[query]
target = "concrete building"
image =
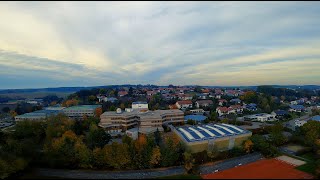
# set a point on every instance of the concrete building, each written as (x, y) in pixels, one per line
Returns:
(139, 105)
(208, 136)
(147, 122)
(77, 112)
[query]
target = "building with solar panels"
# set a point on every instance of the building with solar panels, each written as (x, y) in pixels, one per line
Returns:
(208, 136)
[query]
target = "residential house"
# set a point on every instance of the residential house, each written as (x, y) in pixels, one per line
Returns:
(102, 98)
(184, 96)
(203, 103)
(235, 101)
(222, 101)
(184, 104)
(297, 108)
(280, 114)
(202, 96)
(205, 91)
(251, 107)
(235, 109)
(222, 111)
(122, 93)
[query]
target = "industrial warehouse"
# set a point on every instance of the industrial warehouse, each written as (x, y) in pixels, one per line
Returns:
(208, 136)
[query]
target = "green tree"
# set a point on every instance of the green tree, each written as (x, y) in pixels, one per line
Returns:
(311, 131)
(214, 116)
(276, 134)
(6, 109)
(102, 91)
(157, 137)
(97, 137)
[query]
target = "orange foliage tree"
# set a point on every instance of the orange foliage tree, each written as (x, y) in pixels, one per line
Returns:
(98, 112)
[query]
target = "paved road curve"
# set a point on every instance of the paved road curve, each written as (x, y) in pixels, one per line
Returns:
(291, 124)
(142, 174)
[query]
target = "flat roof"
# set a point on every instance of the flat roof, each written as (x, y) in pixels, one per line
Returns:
(195, 117)
(39, 113)
(139, 102)
(209, 131)
(82, 107)
(138, 113)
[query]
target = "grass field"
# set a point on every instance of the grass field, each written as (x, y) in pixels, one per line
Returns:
(308, 156)
(309, 167)
(181, 176)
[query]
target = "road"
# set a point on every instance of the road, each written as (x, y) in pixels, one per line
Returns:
(230, 163)
(145, 174)
(291, 124)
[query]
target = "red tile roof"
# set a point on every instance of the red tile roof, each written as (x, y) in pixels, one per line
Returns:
(223, 109)
(205, 102)
(184, 102)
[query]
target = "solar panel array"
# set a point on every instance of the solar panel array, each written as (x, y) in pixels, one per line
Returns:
(209, 131)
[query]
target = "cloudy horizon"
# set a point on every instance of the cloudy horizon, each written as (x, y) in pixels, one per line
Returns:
(65, 44)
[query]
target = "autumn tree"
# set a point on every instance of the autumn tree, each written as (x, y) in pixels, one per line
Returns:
(68, 151)
(248, 145)
(156, 157)
(13, 113)
(117, 155)
(122, 106)
(70, 102)
(57, 125)
(189, 162)
(98, 112)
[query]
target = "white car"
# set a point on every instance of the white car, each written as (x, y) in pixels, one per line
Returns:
(216, 170)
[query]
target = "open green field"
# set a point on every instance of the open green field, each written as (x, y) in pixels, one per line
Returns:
(309, 167)
(181, 176)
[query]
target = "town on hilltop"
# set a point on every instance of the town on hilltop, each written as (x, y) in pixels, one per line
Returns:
(185, 128)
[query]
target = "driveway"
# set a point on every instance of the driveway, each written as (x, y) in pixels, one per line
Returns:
(145, 174)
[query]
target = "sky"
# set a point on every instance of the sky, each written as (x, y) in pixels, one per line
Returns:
(65, 44)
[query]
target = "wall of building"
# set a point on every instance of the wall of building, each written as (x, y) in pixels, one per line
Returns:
(222, 144)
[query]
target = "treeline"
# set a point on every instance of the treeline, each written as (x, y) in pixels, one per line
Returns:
(289, 93)
(63, 143)
(264, 101)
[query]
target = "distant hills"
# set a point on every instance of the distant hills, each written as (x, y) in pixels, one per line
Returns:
(75, 89)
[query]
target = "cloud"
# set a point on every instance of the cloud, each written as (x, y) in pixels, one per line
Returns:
(206, 43)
